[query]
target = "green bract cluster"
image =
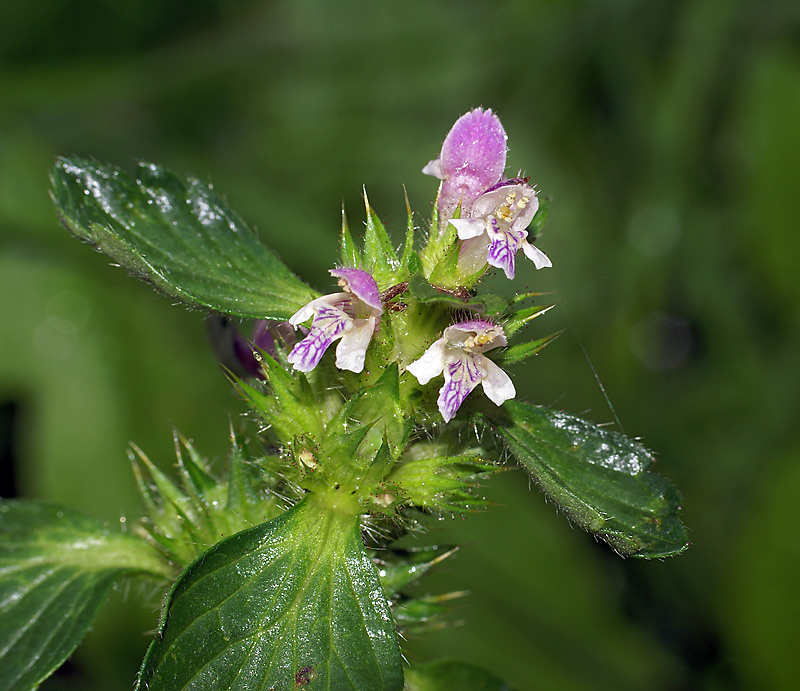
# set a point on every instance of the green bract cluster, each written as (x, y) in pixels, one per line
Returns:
(286, 571)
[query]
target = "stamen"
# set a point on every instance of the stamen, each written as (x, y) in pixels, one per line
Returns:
(504, 213)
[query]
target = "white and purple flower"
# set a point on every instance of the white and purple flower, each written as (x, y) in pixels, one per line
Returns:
(352, 317)
(496, 228)
(459, 356)
(472, 159)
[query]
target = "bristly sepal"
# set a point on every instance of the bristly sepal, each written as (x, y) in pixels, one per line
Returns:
(400, 568)
(184, 519)
(287, 405)
(522, 351)
(379, 254)
(350, 254)
(426, 479)
(424, 614)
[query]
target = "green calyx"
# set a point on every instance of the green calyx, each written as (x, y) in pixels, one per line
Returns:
(184, 519)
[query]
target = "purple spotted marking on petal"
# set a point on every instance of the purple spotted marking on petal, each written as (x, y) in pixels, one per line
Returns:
(461, 376)
(362, 285)
(517, 203)
(328, 325)
(503, 248)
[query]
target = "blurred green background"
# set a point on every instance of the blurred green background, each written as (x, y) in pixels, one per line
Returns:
(667, 135)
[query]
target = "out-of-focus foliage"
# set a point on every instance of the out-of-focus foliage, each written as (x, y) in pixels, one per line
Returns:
(667, 135)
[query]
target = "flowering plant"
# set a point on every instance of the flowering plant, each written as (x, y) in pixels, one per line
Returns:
(353, 448)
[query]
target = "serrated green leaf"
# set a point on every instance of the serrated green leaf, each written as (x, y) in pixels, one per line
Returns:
(521, 351)
(293, 600)
(446, 675)
(178, 235)
(424, 292)
(56, 567)
(597, 477)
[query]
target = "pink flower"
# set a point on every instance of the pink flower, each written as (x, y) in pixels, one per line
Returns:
(459, 356)
(351, 317)
(496, 228)
(472, 159)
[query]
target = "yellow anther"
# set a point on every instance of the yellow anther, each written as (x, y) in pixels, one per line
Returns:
(483, 338)
(511, 197)
(522, 203)
(504, 213)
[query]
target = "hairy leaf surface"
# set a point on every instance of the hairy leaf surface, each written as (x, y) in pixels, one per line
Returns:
(598, 477)
(56, 567)
(292, 603)
(178, 235)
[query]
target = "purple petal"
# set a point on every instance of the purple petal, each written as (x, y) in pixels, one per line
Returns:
(503, 248)
(471, 326)
(328, 325)
(263, 337)
(506, 182)
(475, 147)
(246, 356)
(461, 375)
(473, 158)
(267, 335)
(362, 285)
